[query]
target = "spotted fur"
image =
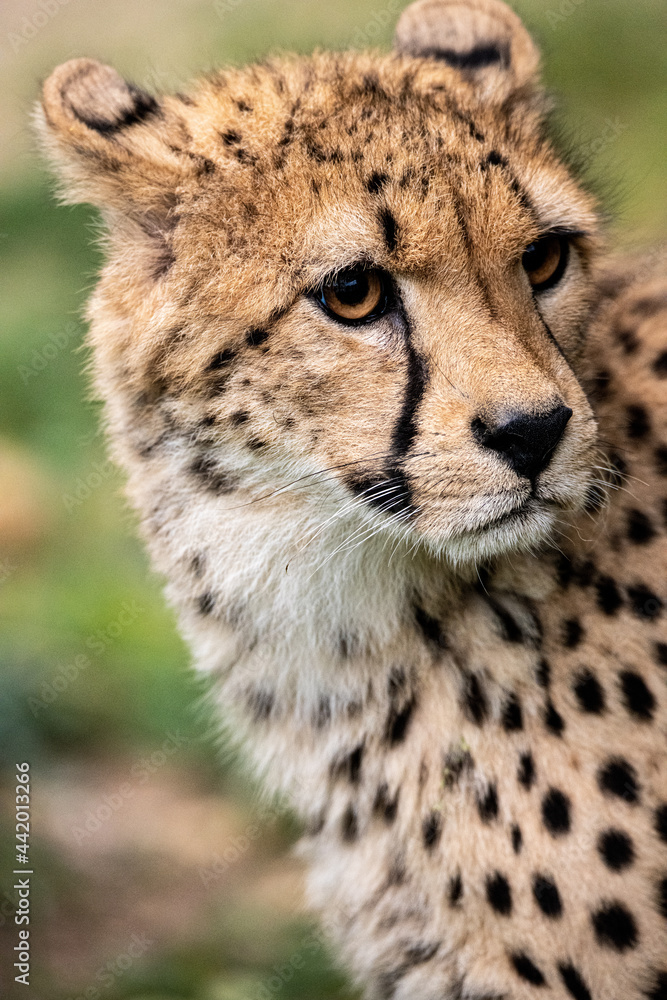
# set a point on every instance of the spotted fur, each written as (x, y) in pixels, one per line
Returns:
(455, 670)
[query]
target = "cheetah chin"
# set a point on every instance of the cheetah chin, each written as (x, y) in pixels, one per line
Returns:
(396, 431)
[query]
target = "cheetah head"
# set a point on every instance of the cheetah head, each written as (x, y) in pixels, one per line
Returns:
(358, 280)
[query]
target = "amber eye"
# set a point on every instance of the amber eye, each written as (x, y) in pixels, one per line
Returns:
(545, 261)
(356, 295)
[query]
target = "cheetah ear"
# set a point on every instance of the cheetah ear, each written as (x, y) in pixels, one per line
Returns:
(483, 39)
(108, 141)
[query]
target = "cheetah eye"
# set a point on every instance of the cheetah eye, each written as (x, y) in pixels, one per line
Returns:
(545, 261)
(356, 295)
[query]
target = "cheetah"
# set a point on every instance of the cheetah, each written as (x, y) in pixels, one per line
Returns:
(396, 430)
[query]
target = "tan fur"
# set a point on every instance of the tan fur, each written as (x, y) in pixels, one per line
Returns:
(388, 638)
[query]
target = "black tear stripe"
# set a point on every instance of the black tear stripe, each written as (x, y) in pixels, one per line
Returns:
(391, 492)
(144, 107)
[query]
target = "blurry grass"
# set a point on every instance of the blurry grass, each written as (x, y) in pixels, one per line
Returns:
(607, 60)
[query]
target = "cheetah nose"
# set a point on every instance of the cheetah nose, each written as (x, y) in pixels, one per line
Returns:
(527, 441)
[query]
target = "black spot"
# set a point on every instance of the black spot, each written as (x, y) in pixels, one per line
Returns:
(627, 338)
(316, 824)
(455, 891)
(430, 629)
(323, 715)
(397, 872)
(495, 159)
(398, 722)
(526, 773)
(615, 927)
(376, 182)
(601, 383)
(431, 830)
(397, 683)
(477, 58)
(527, 970)
(553, 720)
(661, 460)
(487, 804)
(384, 806)
(163, 262)
(221, 360)
(640, 529)
(661, 823)
(261, 704)
(639, 424)
(660, 365)
(556, 811)
(573, 633)
(349, 766)
(609, 597)
(517, 839)
(590, 693)
(574, 982)
(618, 471)
(197, 565)
(499, 894)
(206, 603)
(544, 674)
(213, 479)
(659, 989)
(456, 762)
(230, 138)
(644, 603)
(389, 228)
(254, 338)
(547, 896)
(349, 827)
(510, 629)
(239, 418)
(660, 653)
(616, 849)
(639, 700)
(619, 778)
(512, 715)
(419, 954)
(474, 700)
(662, 897)
(347, 646)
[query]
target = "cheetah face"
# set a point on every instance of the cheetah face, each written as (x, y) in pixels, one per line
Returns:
(359, 279)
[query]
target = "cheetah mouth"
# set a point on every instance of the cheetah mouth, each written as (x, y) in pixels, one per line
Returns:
(515, 516)
(529, 522)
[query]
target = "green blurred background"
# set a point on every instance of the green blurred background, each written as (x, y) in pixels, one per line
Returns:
(157, 872)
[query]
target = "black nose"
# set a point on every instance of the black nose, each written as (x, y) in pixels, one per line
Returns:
(526, 441)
